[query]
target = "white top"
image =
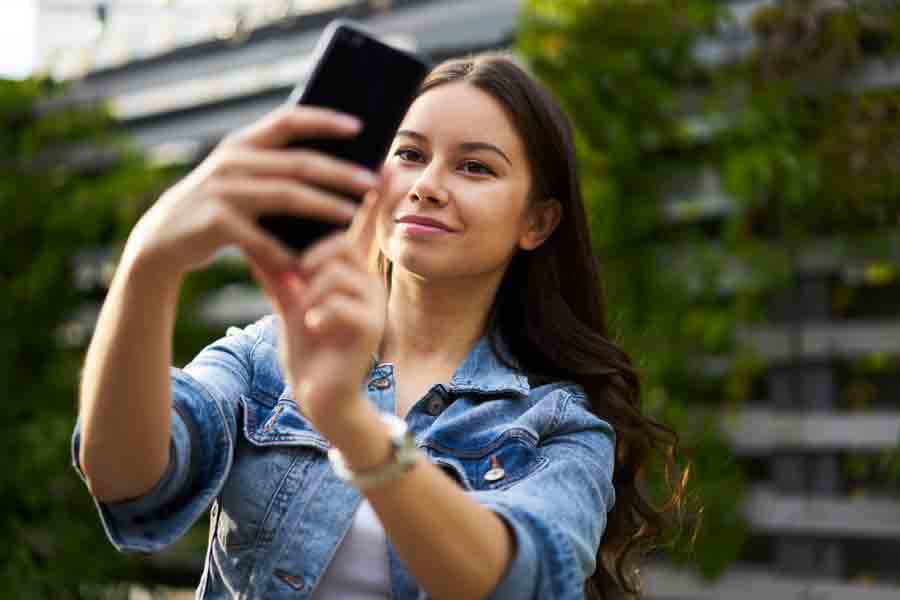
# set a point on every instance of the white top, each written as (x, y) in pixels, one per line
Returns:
(359, 569)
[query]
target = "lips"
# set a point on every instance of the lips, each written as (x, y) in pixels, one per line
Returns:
(419, 220)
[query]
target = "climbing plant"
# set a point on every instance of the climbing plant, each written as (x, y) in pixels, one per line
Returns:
(707, 175)
(71, 188)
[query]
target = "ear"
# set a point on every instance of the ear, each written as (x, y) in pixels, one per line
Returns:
(542, 220)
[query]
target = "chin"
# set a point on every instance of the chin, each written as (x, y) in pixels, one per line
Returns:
(416, 266)
(417, 262)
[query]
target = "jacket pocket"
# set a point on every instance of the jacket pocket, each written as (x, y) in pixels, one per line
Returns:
(273, 453)
(498, 464)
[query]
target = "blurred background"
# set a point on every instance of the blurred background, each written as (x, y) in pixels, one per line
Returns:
(741, 164)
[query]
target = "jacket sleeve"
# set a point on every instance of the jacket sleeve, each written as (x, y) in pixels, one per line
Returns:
(558, 514)
(205, 397)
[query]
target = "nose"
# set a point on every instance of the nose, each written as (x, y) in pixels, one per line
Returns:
(429, 187)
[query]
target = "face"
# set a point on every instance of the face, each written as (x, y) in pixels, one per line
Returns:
(456, 159)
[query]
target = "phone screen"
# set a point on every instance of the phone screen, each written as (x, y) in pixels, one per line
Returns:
(364, 77)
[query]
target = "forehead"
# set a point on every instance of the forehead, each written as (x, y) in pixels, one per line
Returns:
(460, 112)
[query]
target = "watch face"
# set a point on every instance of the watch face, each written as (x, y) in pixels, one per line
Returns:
(402, 459)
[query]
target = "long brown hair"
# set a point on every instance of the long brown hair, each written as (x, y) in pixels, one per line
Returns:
(559, 331)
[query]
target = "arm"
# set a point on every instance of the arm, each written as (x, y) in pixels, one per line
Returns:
(125, 398)
(204, 397)
(125, 436)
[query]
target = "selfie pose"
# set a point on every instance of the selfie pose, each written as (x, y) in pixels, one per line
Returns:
(433, 410)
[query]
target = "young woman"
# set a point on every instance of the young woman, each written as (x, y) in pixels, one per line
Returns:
(483, 334)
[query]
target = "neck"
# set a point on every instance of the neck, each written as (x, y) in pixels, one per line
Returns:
(435, 322)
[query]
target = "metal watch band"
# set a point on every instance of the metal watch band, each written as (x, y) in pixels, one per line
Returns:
(403, 456)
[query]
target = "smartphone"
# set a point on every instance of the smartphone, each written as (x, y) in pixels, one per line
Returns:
(357, 74)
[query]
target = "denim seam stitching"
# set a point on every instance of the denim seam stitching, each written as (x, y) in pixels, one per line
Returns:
(558, 414)
(193, 434)
(251, 358)
(271, 504)
(518, 432)
(541, 463)
(229, 443)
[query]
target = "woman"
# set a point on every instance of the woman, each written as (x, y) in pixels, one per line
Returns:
(488, 337)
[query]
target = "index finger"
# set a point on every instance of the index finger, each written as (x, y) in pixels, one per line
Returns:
(291, 122)
(362, 228)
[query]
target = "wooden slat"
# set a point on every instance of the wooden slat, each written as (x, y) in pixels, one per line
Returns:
(741, 582)
(846, 258)
(780, 514)
(817, 341)
(755, 431)
(665, 582)
(875, 73)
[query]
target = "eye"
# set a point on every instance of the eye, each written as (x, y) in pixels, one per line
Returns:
(407, 153)
(485, 170)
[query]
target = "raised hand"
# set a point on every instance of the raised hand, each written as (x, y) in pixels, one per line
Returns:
(250, 173)
(333, 309)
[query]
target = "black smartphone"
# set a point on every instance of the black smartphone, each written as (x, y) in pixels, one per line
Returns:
(357, 74)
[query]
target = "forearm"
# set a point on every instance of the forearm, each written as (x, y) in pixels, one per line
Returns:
(125, 397)
(455, 547)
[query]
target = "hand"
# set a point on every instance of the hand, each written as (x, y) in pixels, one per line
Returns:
(250, 173)
(333, 312)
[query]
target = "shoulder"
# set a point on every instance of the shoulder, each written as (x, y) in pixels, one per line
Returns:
(568, 406)
(259, 340)
(264, 329)
(558, 392)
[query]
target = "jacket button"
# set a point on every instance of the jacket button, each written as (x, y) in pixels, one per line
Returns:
(434, 405)
(495, 474)
(496, 471)
(292, 580)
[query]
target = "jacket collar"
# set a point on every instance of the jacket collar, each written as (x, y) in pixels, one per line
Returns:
(480, 371)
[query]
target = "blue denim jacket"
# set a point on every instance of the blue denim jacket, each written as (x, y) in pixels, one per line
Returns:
(240, 444)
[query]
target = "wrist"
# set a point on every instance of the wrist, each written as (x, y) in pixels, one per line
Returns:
(402, 457)
(143, 284)
(360, 435)
(138, 261)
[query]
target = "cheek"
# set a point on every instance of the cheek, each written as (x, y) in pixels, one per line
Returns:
(394, 193)
(493, 212)
(396, 177)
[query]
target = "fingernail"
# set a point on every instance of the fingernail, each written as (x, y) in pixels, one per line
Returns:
(313, 318)
(303, 265)
(365, 178)
(349, 122)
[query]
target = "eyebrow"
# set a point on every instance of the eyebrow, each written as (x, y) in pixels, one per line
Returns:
(466, 146)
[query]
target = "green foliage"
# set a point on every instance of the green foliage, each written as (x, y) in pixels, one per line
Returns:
(52, 213)
(801, 152)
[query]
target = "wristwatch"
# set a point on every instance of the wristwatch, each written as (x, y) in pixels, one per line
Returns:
(403, 456)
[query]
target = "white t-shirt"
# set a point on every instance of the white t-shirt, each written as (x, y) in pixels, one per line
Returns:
(359, 569)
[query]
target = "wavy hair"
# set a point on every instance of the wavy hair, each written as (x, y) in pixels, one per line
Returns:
(559, 331)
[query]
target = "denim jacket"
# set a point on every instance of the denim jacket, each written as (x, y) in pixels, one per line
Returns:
(240, 444)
